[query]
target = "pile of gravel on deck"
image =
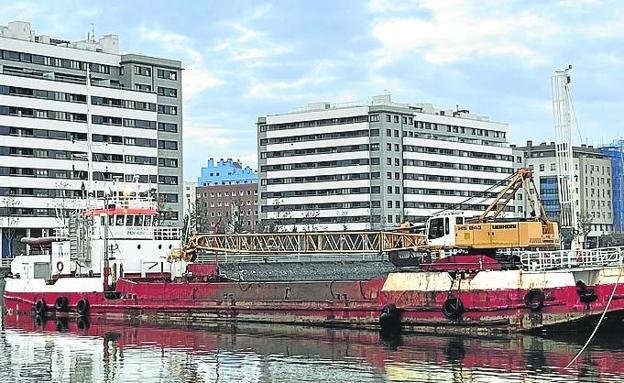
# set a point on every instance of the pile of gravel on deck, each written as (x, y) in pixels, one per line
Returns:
(305, 271)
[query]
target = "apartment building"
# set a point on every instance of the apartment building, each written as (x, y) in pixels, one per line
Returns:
(227, 197)
(134, 104)
(593, 177)
(375, 165)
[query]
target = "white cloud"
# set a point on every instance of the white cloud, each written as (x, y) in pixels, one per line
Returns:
(245, 42)
(458, 31)
(319, 75)
(196, 77)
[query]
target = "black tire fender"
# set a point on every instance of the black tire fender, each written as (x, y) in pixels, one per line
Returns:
(40, 307)
(82, 307)
(61, 304)
(453, 308)
(534, 299)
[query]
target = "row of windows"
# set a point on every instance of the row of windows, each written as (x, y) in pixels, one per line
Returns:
(438, 178)
(39, 113)
(452, 165)
(42, 133)
(323, 220)
(127, 122)
(317, 206)
(454, 206)
(314, 123)
(167, 92)
(128, 104)
(81, 156)
(43, 94)
(320, 137)
(39, 192)
(74, 174)
(161, 73)
(168, 109)
(315, 165)
(167, 127)
(226, 193)
(320, 178)
(456, 152)
(54, 61)
(311, 151)
(446, 192)
(168, 162)
(310, 193)
(168, 145)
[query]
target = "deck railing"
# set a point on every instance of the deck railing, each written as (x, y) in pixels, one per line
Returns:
(565, 259)
(5, 263)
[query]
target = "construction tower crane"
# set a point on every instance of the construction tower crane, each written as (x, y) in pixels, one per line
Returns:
(566, 181)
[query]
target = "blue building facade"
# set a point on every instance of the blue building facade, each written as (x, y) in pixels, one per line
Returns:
(549, 193)
(226, 172)
(615, 151)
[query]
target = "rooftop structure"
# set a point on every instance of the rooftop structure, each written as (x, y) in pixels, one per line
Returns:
(226, 172)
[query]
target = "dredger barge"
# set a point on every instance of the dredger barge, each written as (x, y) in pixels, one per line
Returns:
(464, 275)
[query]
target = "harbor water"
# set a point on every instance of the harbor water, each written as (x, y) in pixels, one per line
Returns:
(78, 350)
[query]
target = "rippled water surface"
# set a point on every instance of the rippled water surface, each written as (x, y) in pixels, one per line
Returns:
(67, 351)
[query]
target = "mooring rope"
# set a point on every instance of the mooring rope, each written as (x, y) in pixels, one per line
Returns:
(617, 281)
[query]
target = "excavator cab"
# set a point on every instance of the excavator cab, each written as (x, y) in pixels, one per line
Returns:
(441, 228)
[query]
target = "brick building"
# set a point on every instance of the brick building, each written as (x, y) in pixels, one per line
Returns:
(227, 208)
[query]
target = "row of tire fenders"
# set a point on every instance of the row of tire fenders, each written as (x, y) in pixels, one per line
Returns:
(62, 304)
(453, 307)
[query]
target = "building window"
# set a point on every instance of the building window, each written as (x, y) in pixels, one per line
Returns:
(167, 74)
(374, 118)
(542, 167)
(142, 70)
(167, 92)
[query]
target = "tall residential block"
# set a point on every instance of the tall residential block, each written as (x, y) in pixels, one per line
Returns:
(135, 104)
(372, 166)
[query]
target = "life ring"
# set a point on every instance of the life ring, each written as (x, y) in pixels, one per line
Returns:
(534, 299)
(40, 307)
(59, 266)
(390, 318)
(82, 307)
(61, 304)
(453, 308)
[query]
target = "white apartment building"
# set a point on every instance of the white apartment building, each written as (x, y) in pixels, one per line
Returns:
(373, 166)
(45, 103)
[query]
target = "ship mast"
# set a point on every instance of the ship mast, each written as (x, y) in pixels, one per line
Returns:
(90, 191)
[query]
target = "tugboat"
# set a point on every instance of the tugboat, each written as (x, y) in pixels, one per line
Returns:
(453, 279)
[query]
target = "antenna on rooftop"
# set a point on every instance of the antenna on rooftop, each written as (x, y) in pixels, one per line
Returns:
(92, 33)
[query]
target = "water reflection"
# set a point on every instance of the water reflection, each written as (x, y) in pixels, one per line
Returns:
(76, 350)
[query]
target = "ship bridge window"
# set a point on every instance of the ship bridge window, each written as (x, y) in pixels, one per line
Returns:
(111, 220)
(129, 220)
(447, 225)
(138, 220)
(436, 228)
(459, 220)
(148, 220)
(120, 220)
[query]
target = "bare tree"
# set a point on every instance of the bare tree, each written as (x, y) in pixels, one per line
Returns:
(585, 223)
(10, 204)
(309, 220)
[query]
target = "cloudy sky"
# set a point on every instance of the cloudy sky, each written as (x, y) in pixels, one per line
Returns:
(246, 59)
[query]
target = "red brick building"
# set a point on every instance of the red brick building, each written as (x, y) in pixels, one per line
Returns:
(227, 208)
